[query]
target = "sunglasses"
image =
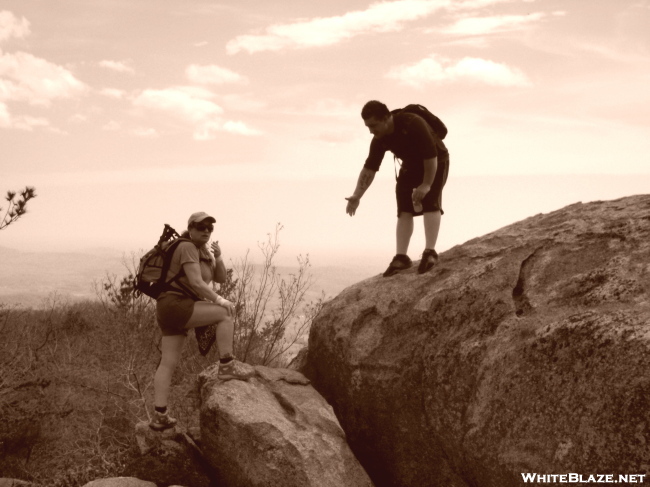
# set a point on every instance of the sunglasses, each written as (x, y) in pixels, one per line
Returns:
(202, 228)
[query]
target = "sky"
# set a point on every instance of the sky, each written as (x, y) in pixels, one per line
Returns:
(127, 115)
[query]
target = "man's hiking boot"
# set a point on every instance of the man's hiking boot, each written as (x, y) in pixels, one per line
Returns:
(399, 263)
(162, 421)
(235, 370)
(429, 259)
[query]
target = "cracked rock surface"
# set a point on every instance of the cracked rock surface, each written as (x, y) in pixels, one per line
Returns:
(274, 430)
(525, 350)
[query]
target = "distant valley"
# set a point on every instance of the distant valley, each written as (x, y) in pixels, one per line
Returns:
(29, 278)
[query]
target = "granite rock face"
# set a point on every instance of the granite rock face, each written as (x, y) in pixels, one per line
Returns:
(272, 430)
(120, 482)
(525, 350)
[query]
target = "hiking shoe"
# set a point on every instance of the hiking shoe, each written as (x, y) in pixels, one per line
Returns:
(399, 263)
(429, 259)
(162, 421)
(235, 370)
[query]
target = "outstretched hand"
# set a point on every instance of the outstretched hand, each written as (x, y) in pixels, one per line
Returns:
(353, 204)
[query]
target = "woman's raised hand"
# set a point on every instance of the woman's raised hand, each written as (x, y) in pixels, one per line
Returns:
(216, 250)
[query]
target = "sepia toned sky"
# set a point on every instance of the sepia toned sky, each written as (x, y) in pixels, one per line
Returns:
(129, 114)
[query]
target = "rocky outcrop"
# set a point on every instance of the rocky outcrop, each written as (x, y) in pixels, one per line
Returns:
(120, 482)
(167, 457)
(524, 351)
(274, 430)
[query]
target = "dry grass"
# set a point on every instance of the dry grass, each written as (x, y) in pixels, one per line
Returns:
(75, 378)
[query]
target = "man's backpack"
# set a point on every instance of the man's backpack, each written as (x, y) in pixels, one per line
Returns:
(151, 278)
(434, 122)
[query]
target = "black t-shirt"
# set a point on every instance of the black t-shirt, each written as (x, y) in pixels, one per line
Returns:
(412, 141)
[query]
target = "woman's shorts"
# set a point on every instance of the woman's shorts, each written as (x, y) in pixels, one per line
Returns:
(173, 312)
(432, 201)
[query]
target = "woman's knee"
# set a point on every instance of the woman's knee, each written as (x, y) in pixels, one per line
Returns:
(207, 314)
(227, 322)
(169, 360)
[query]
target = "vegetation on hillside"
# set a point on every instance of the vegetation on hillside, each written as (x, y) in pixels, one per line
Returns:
(76, 377)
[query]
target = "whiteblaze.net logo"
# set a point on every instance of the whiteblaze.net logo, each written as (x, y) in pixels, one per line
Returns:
(575, 478)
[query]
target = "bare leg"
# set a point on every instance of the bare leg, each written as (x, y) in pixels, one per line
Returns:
(210, 314)
(172, 346)
(403, 232)
(431, 228)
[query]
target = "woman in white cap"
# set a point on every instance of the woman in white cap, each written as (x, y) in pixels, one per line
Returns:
(191, 303)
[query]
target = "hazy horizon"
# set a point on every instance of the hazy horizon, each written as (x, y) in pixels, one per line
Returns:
(474, 206)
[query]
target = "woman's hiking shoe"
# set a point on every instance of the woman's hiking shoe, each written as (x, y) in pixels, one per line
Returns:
(399, 263)
(235, 370)
(162, 421)
(429, 259)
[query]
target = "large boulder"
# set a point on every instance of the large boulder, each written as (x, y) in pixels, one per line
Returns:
(120, 482)
(273, 430)
(524, 351)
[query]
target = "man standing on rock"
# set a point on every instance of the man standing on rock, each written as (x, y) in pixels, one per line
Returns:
(423, 174)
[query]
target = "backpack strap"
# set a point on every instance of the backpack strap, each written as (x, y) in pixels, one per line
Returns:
(167, 286)
(396, 162)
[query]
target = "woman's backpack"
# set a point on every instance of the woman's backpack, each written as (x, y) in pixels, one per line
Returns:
(151, 278)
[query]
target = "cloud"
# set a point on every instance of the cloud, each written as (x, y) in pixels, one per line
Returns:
(11, 26)
(213, 74)
(5, 117)
(242, 102)
(488, 25)
(26, 123)
(195, 106)
(192, 104)
(145, 132)
(112, 93)
(120, 67)
(438, 70)
(239, 128)
(112, 126)
(78, 118)
(27, 78)
(24, 77)
(458, 5)
(326, 31)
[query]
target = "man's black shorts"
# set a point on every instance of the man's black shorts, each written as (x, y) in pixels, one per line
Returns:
(409, 180)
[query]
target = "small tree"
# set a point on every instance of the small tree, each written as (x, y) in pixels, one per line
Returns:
(17, 206)
(271, 312)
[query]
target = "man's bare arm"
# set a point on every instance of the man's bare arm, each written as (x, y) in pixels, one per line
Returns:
(366, 177)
